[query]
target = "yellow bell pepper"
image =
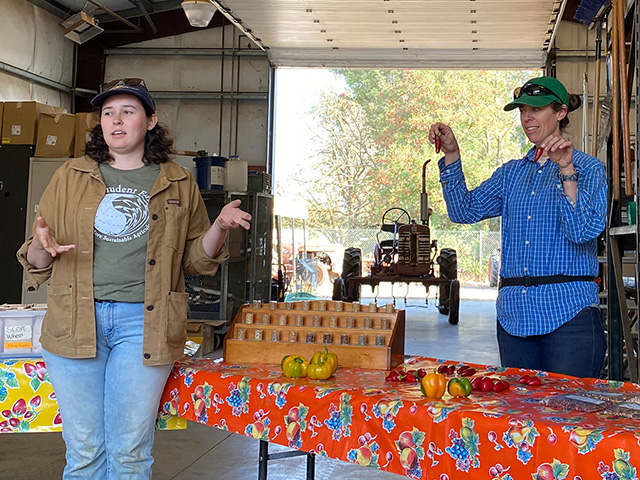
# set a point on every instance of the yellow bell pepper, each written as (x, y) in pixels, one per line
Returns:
(294, 366)
(433, 385)
(319, 370)
(326, 357)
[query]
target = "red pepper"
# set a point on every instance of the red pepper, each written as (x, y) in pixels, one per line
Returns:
(438, 143)
(537, 155)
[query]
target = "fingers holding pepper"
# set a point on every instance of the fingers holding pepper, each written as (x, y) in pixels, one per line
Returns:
(444, 140)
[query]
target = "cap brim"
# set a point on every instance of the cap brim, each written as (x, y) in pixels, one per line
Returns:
(99, 99)
(533, 101)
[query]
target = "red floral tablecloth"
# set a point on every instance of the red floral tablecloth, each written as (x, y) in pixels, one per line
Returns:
(358, 417)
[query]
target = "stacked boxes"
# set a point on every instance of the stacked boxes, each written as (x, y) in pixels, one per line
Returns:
(54, 132)
(56, 135)
(20, 121)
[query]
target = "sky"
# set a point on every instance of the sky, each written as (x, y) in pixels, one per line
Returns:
(297, 91)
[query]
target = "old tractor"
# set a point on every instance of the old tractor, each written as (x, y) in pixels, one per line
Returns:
(404, 253)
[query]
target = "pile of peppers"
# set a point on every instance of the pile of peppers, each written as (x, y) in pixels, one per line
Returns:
(435, 384)
(321, 366)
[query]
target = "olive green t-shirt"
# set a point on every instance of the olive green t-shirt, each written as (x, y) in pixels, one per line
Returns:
(120, 233)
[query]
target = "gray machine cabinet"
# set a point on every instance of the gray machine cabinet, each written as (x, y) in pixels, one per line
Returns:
(14, 174)
(40, 172)
(246, 276)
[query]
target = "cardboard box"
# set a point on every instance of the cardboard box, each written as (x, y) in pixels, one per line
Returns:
(203, 333)
(84, 124)
(20, 121)
(56, 133)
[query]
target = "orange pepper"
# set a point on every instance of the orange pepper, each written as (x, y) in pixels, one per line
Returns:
(433, 385)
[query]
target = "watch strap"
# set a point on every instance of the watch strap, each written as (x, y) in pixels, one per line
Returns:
(569, 177)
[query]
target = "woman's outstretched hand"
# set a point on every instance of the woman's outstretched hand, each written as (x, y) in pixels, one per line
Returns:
(44, 246)
(232, 216)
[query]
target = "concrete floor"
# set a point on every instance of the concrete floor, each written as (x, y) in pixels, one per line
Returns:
(202, 453)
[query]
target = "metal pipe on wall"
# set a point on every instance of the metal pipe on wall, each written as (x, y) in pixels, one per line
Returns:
(596, 91)
(615, 115)
(221, 91)
(624, 95)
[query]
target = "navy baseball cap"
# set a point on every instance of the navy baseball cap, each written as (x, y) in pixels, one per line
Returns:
(125, 86)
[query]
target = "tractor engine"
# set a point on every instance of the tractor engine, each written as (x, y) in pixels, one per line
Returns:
(414, 250)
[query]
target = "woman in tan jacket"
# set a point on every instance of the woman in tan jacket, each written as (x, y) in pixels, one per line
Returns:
(115, 233)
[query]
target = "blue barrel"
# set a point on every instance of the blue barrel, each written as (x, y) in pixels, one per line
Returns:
(210, 172)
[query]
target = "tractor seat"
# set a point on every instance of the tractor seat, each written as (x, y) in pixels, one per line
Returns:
(386, 244)
(390, 227)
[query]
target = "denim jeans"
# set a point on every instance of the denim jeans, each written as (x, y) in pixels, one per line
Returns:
(109, 403)
(576, 348)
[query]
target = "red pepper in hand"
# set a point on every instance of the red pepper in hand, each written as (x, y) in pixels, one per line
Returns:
(438, 143)
(537, 155)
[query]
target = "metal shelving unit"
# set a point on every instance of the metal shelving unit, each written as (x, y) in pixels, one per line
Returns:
(622, 249)
(246, 276)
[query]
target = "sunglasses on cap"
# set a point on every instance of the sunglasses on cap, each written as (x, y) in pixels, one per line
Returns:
(122, 82)
(533, 90)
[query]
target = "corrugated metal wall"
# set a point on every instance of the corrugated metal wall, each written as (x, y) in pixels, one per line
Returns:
(33, 44)
(216, 101)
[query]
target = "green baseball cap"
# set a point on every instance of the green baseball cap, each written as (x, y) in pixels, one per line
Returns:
(539, 92)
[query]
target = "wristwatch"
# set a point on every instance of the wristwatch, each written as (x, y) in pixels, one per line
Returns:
(568, 177)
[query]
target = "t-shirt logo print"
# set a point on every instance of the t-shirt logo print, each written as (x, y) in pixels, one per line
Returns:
(123, 215)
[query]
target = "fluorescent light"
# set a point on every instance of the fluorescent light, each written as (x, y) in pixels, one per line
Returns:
(198, 12)
(81, 27)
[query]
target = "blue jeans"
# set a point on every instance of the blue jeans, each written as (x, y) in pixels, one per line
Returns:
(576, 348)
(109, 403)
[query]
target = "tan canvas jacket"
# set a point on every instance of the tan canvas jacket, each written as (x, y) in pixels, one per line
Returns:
(177, 222)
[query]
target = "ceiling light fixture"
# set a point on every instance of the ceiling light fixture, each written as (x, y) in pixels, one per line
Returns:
(81, 27)
(198, 12)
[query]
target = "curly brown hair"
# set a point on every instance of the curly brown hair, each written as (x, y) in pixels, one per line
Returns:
(158, 146)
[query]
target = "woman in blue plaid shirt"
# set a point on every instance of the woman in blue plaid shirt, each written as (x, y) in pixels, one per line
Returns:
(553, 206)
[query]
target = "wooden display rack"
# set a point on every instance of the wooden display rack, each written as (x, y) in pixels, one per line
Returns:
(365, 336)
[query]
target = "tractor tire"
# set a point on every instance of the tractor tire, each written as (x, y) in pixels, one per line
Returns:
(494, 270)
(454, 302)
(352, 262)
(448, 261)
(351, 267)
(338, 287)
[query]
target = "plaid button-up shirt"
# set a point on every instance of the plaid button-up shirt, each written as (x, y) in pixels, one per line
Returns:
(543, 233)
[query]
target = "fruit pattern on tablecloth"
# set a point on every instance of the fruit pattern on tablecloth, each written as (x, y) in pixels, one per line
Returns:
(356, 416)
(28, 402)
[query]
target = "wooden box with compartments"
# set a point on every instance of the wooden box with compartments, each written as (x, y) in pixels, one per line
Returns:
(365, 336)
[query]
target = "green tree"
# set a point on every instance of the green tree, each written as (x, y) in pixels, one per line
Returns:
(400, 106)
(344, 176)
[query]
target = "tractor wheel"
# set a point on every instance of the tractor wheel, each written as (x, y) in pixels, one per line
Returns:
(351, 267)
(454, 302)
(448, 262)
(338, 286)
(494, 270)
(352, 262)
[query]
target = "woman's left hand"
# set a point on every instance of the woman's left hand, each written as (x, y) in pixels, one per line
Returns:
(560, 152)
(232, 216)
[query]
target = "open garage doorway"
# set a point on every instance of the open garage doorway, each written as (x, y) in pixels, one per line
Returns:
(352, 144)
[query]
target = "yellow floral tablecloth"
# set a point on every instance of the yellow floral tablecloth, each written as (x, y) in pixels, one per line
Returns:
(28, 402)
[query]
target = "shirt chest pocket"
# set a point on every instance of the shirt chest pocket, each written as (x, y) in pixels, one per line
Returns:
(176, 227)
